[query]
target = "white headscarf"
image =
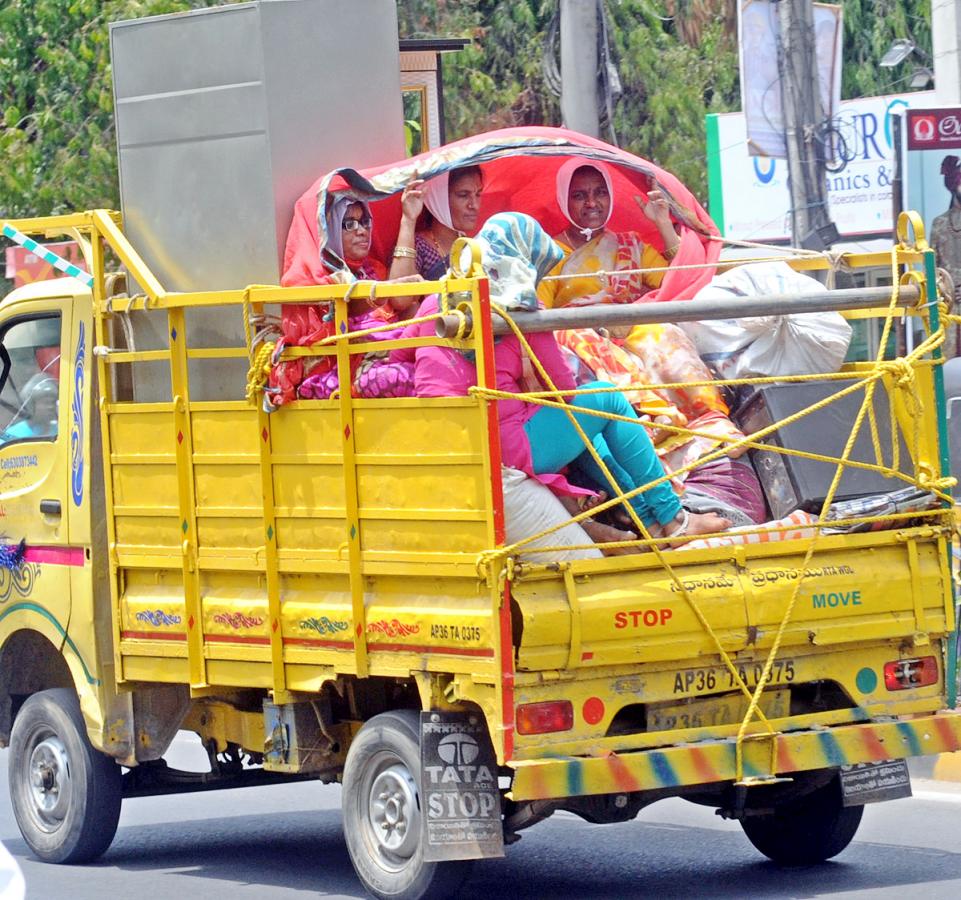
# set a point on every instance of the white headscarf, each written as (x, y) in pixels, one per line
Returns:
(564, 176)
(437, 199)
(335, 223)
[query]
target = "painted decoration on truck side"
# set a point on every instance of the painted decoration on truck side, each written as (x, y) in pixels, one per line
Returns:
(19, 571)
(392, 629)
(17, 576)
(76, 423)
(238, 620)
(157, 617)
(323, 625)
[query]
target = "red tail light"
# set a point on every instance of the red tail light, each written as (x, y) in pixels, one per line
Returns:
(903, 674)
(543, 718)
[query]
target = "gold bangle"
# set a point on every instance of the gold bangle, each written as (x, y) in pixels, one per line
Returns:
(405, 253)
(670, 253)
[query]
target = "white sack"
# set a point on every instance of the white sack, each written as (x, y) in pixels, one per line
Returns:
(793, 344)
(529, 508)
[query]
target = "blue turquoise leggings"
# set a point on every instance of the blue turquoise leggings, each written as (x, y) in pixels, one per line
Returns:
(625, 448)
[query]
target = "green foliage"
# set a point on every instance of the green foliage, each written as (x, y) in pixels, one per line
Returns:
(869, 28)
(677, 60)
(56, 100)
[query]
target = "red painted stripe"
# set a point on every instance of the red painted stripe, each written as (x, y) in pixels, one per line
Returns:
(420, 648)
(702, 765)
(56, 556)
(392, 648)
(497, 510)
(153, 635)
(236, 639)
(785, 762)
(950, 740)
(622, 774)
(318, 642)
(308, 642)
(873, 745)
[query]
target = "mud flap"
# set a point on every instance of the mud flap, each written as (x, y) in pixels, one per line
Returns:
(461, 803)
(873, 782)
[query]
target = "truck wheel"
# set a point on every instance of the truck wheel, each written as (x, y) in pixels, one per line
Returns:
(65, 794)
(382, 813)
(806, 831)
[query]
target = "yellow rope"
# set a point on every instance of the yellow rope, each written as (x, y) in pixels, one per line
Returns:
(259, 371)
(642, 529)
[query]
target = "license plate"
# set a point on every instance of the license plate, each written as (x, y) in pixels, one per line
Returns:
(719, 678)
(709, 712)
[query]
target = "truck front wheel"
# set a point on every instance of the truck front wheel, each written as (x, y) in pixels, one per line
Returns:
(382, 813)
(65, 794)
(806, 831)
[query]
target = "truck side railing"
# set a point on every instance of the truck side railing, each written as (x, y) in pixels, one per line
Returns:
(467, 321)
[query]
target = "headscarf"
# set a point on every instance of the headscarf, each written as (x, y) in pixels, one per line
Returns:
(335, 224)
(437, 199)
(517, 254)
(564, 176)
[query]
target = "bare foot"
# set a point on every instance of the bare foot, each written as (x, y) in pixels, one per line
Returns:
(706, 523)
(603, 534)
(695, 524)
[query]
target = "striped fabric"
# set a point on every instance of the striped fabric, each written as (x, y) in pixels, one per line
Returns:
(48, 256)
(518, 253)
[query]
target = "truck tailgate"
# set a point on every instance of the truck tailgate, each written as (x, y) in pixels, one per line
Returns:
(857, 587)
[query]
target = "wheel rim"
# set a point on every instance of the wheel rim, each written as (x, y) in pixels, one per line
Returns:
(47, 787)
(392, 820)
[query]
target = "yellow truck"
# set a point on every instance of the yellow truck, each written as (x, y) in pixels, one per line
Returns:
(326, 592)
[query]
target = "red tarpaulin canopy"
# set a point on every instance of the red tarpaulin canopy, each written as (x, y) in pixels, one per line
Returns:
(520, 166)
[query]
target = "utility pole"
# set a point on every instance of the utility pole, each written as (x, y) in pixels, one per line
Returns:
(803, 111)
(946, 44)
(579, 66)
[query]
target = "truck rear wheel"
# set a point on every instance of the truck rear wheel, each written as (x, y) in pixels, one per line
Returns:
(382, 813)
(805, 831)
(65, 794)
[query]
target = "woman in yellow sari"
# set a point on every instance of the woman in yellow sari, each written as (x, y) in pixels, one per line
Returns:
(584, 196)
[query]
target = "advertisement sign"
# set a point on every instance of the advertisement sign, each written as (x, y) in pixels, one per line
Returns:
(749, 197)
(24, 267)
(932, 180)
(759, 33)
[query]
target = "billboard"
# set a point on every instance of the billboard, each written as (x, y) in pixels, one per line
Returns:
(24, 267)
(749, 197)
(759, 33)
(932, 180)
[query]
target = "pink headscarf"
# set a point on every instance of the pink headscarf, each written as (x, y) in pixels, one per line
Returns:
(564, 176)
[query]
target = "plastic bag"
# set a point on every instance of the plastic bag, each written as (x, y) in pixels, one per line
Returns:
(792, 344)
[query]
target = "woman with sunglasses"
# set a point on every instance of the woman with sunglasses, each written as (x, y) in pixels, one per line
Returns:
(349, 227)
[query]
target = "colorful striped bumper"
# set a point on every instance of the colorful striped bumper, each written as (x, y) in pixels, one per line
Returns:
(712, 761)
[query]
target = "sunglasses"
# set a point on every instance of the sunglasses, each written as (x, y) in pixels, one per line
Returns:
(353, 224)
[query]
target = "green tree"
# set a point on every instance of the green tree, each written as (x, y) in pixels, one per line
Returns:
(56, 99)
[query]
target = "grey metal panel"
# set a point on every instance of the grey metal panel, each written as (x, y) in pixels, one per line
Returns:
(206, 222)
(332, 74)
(225, 116)
(186, 51)
(234, 109)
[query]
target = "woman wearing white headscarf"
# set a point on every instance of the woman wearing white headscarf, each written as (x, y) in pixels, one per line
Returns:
(452, 202)
(585, 198)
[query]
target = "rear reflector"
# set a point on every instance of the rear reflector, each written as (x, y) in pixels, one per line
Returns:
(903, 674)
(543, 718)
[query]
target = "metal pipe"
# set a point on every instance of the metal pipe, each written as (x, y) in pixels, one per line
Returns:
(609, 315)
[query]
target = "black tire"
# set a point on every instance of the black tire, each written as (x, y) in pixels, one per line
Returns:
(390, 862)
(806, 831)
(65, 794)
